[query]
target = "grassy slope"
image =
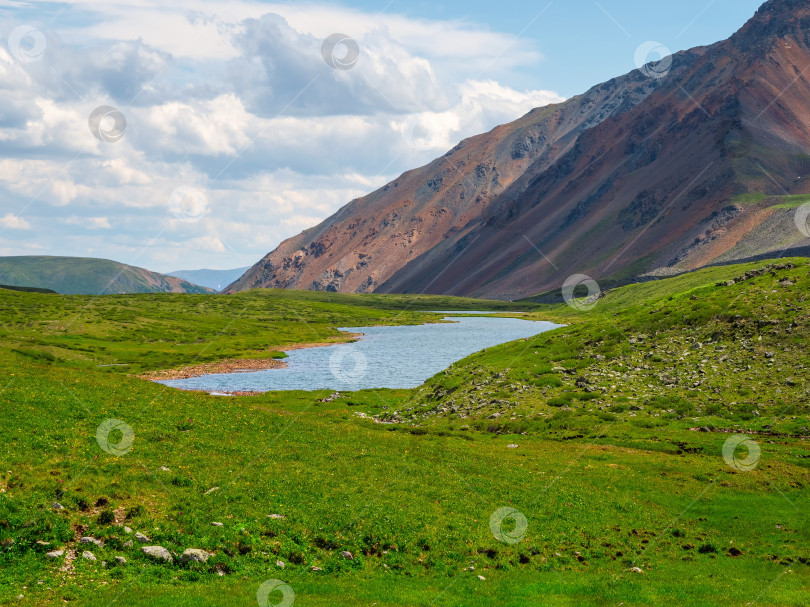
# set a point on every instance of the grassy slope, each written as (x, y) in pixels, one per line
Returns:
(607, 475)
(86, 275)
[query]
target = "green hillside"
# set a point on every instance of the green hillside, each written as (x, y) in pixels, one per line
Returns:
(606, 437)
(88, 276)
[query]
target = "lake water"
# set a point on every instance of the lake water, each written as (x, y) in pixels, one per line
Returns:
(385, 357)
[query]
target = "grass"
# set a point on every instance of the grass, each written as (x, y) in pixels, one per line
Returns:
(789, 201)
(609, 469)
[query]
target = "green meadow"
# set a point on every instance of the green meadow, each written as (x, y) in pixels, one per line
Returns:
(609, 442)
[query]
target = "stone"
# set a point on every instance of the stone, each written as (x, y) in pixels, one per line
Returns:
(54, 554)
(316, 569)
(347, 555)
(158, 552)
(57, 506)
(194, 555)
(120, 560)
(276, 516)
(280, 564)
(128, 544)
(481, 577)
(164, 469)
(217, 524)
(41, 543)
(211, 490)
(88, 555)
(91, 540)
(141, 538)
(636, 570)
(127, 529)
(512, 446)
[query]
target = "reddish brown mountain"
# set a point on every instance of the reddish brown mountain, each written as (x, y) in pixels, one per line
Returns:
(639, 175)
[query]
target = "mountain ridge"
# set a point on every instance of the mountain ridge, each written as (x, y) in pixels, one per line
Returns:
(641, 175)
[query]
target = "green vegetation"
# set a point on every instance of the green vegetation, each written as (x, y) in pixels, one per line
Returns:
(778, 202)
(619, 420)
(88, 276)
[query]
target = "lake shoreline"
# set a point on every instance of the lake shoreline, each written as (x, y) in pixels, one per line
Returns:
(244, 365)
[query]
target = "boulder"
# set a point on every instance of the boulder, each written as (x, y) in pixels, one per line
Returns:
(120, 560)
(91, 540)
(54, 554)
(194, 555)
(158, 552)
(141, 538)
(347, 555)
(88, 555)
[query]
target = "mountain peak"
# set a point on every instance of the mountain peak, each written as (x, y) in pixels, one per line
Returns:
(776, 17)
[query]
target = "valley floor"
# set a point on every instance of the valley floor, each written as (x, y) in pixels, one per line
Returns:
(607, 441)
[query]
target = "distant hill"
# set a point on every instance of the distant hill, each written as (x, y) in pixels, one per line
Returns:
(27, 289)
(88, 276)
(213, 279)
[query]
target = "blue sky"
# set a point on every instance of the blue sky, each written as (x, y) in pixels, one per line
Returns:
(226, 130)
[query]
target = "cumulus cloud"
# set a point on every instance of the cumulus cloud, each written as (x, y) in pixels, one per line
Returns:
(13, 222)
(237, 104)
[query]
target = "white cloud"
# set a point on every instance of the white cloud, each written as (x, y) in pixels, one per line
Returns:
(235, 101)
(13, 222)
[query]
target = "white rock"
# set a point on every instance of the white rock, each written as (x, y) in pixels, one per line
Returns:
(158, 552)
(280, 564)
(217, 524)
(54, 554)
(91, 540)
(142, 538)
(88, 555)
(636, 570)
(194, 555)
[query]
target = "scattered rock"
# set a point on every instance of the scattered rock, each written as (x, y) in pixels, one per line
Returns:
(142, 538)
(57, 506)
(164, 469)
(158, 552)
(211, 490)
(347, 555)
(512, 446)
(91, 540)
(280, 564)
(54, 554)
(41, 543)
(128, 544)
(636, 570)
(127, 529)
(120, 560)
(194, 555)
(276, 516)
(88, 555)
(316, 569)
(217, 524)
(482, 578)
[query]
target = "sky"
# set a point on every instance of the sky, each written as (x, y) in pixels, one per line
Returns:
(190, 134)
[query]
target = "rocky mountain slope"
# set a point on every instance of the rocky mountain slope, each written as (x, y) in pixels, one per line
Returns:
(88, 276)
(659, 171)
